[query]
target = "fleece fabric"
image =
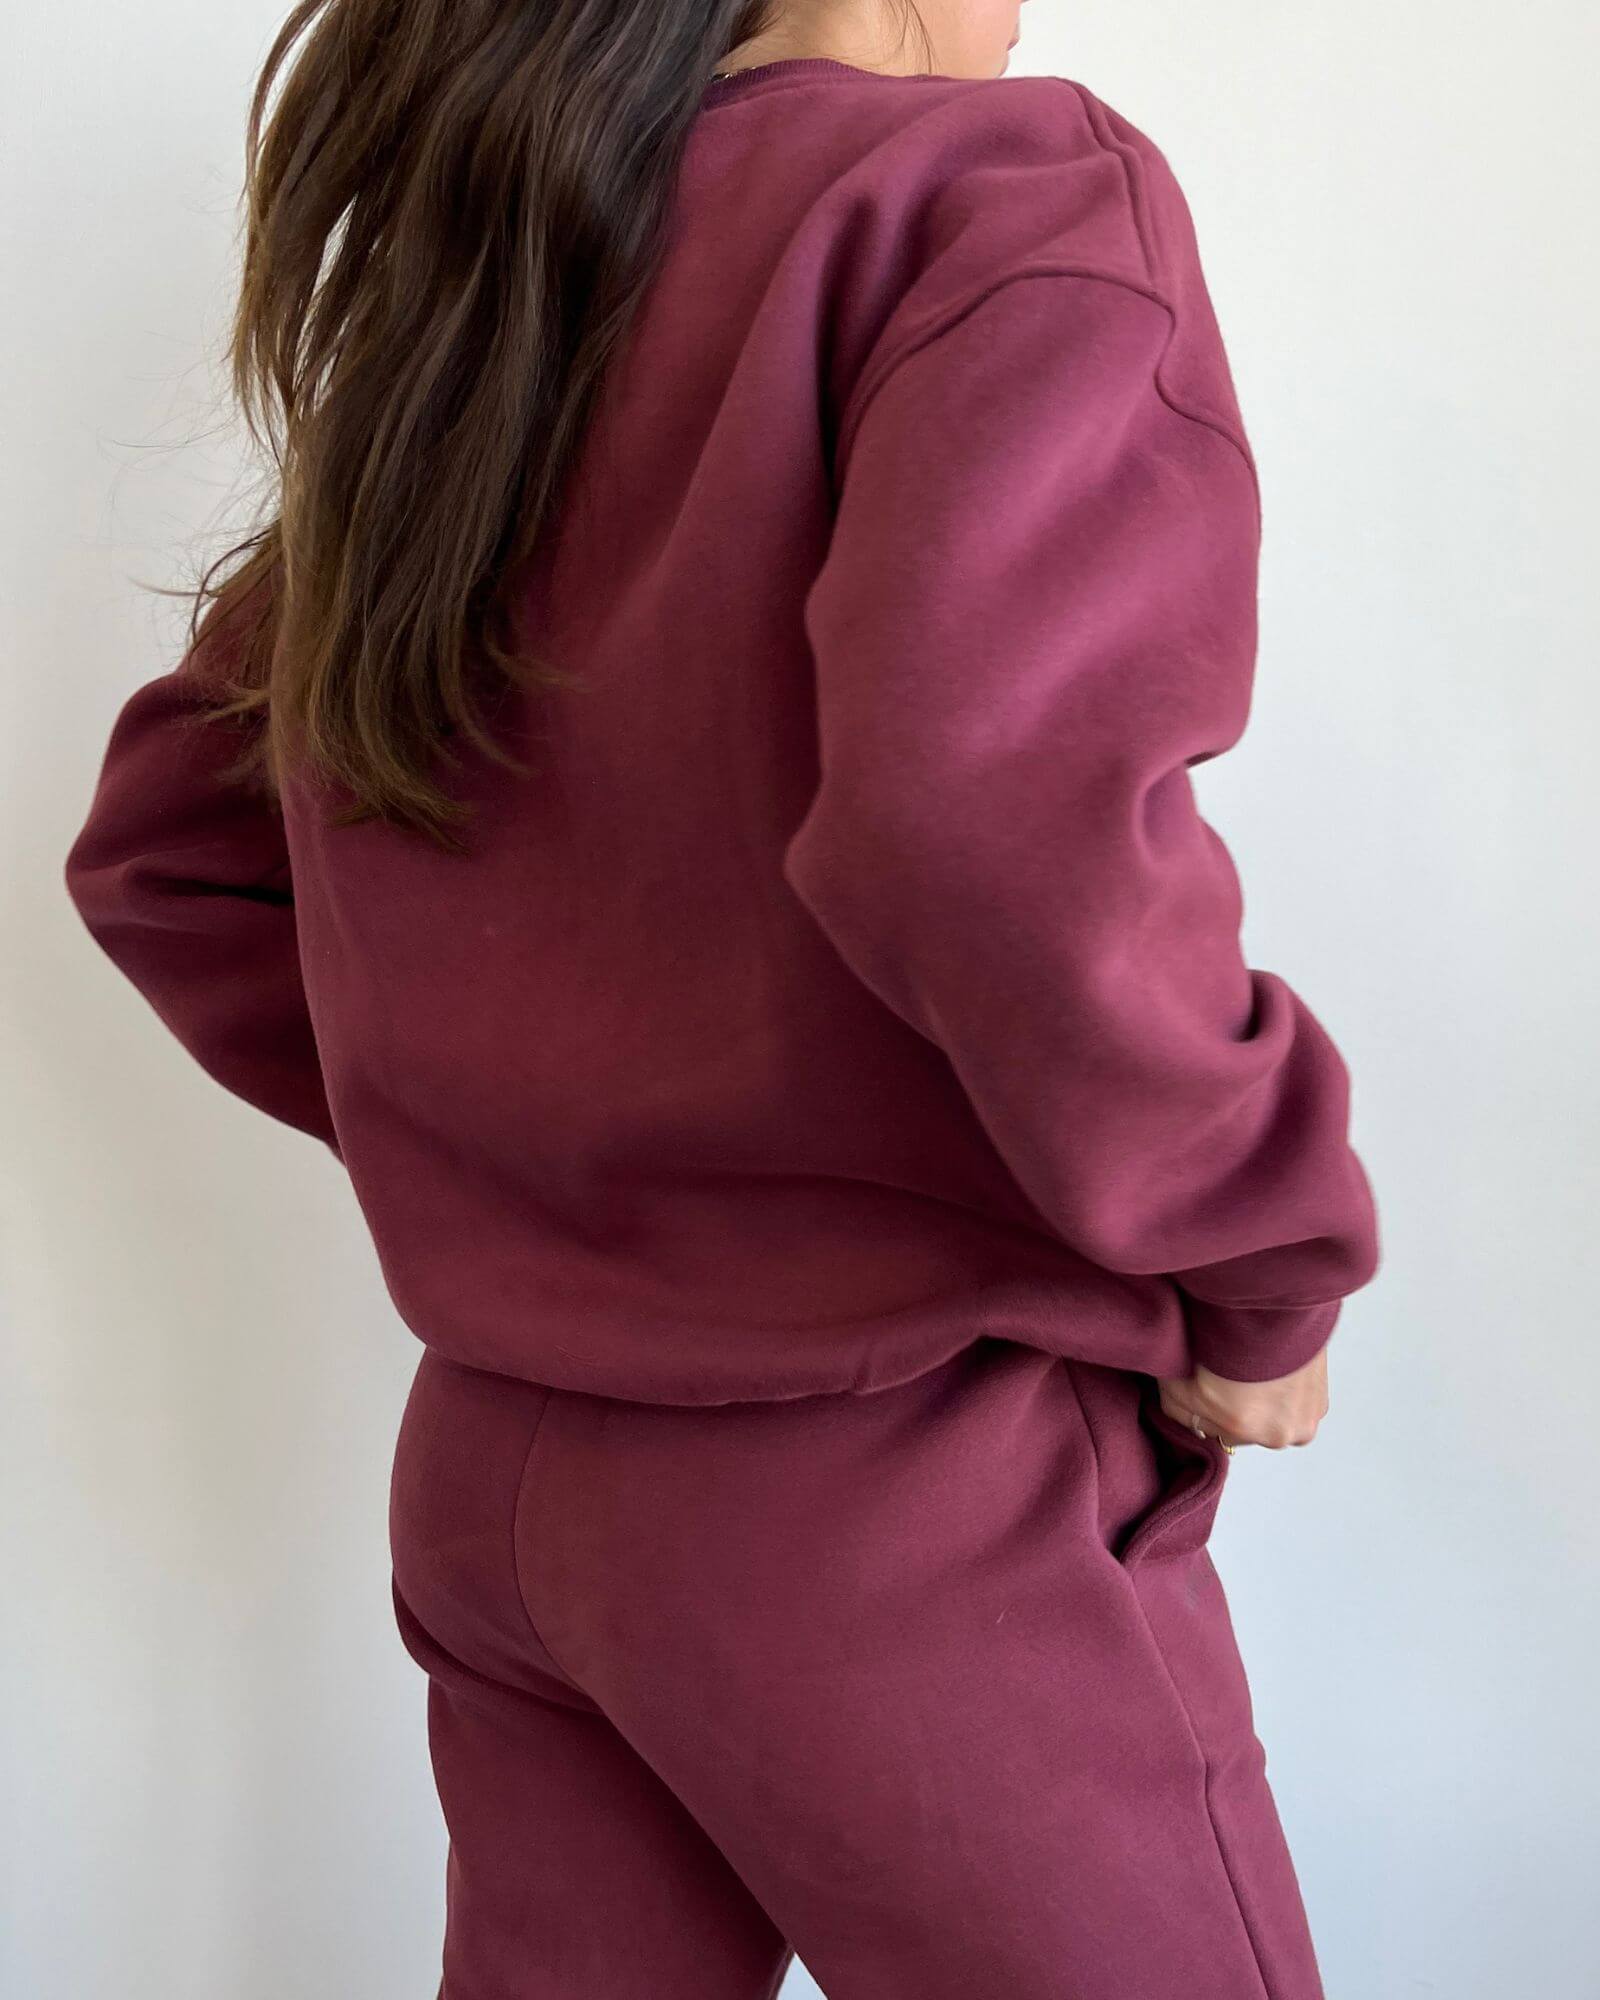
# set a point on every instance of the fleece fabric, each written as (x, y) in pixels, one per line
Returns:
(848, 973)
(957, 1709)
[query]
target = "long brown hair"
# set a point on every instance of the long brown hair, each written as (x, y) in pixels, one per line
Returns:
(451, 209)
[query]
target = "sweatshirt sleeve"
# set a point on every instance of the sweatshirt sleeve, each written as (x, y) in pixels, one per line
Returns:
(1037, 611)
(183, 880)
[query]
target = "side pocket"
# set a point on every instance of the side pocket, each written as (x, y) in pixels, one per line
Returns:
(1193, 1471)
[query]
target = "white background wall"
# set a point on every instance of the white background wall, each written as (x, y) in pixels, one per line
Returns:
(216, 1784)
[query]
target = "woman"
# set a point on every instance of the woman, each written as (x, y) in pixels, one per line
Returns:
(687, 797)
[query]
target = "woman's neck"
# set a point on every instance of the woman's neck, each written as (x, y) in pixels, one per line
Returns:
(845, 38)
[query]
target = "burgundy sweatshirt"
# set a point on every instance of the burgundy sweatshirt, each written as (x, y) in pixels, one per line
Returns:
(850, 974)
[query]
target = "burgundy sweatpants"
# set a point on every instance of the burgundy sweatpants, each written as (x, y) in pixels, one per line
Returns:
(934, 1685)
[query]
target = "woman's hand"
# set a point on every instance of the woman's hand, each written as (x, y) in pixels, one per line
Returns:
(1285, 1411)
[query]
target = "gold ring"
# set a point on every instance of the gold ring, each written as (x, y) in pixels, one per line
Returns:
(1194, 1425)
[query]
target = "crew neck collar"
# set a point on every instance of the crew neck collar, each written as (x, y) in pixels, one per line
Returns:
(792, 68)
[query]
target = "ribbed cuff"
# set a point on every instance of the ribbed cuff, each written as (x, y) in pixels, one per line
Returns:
(1257, 1343)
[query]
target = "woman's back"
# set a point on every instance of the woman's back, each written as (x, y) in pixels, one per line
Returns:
(848, 970)
(835, 987)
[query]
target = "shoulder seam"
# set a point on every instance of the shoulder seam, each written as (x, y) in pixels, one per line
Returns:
(867, 389)
(1138, 201)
